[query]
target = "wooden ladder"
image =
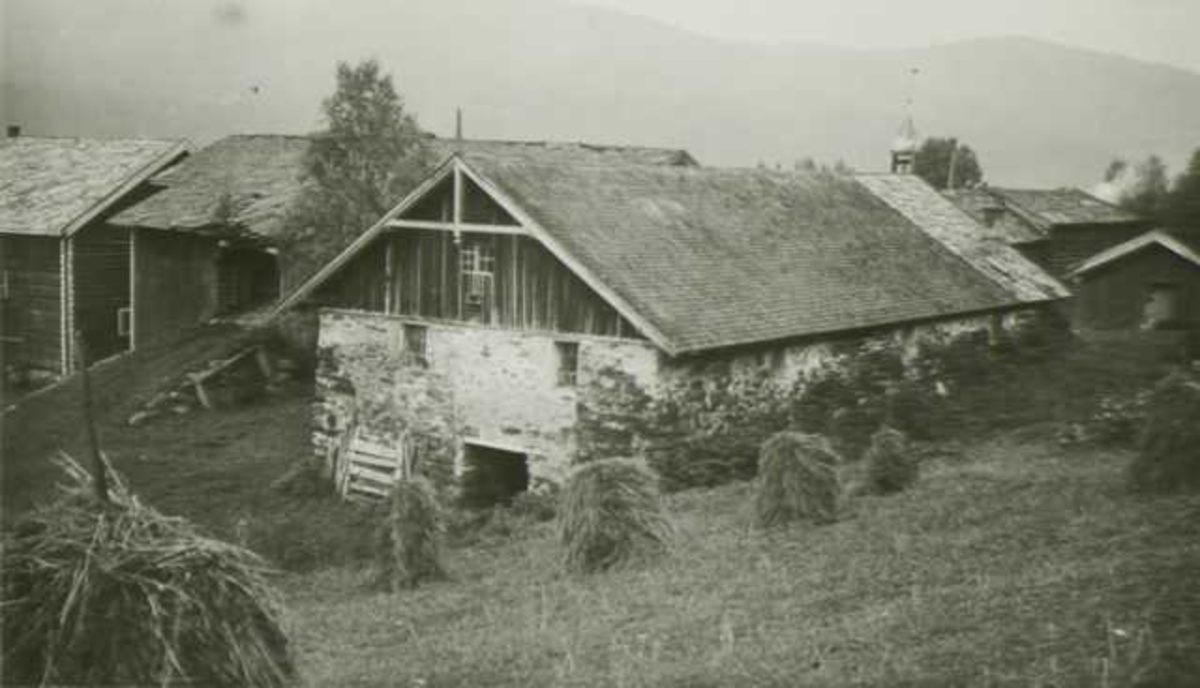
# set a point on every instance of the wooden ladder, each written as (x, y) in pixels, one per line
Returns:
(369, 470)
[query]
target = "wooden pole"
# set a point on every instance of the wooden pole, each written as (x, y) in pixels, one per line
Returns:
(99, 474)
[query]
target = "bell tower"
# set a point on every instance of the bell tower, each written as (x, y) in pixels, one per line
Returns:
(907, 141)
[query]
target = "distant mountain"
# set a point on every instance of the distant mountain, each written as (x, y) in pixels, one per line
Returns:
(1037, 113)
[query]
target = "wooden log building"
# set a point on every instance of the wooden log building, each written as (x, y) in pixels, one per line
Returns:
(64, 268)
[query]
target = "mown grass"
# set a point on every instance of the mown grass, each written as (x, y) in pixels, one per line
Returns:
(1015, 565)
(1013, 562)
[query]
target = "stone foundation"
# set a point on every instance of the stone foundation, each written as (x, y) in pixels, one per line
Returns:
(502, 388)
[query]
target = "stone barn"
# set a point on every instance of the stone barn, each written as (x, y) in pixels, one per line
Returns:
(512, 316)
(64, 267)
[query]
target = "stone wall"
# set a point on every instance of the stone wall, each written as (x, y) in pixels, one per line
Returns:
(501, 388)
(491, 386)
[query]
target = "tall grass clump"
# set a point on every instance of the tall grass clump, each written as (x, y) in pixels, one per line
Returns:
(798, 480)
(610, 515)
(412, 536)
(891, 464)
(1169, 456)
(119, 594)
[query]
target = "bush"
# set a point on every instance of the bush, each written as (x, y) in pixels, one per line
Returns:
(797, 480)
(411, 539)
(122, 594)
(610, 515)
(1169, 456)
(891, 464)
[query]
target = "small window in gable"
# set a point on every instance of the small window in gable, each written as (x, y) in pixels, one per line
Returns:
(568, 363)
(477, 264)
(416, 351)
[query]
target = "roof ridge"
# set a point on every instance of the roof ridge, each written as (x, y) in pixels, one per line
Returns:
(105, 139)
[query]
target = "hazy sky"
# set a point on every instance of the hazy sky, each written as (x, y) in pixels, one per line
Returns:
(1165, 31)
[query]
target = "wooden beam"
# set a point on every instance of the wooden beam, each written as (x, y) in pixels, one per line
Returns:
(387, 274)
(132, 289)
(458, 228)
(458, 194)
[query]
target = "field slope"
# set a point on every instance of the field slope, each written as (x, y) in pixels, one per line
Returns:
(1012, 564)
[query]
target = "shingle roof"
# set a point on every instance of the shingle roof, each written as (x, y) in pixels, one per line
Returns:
(1046, 208)
(565, 152)
(1177, 244)
(259, 176)
(1004, 225)
(943, 220)
(255, 178)
(50, 186)
(715, 257)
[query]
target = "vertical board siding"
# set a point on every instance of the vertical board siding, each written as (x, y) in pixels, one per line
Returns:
(176, 283)
(100, 256)
(32, 313)
(529, 289)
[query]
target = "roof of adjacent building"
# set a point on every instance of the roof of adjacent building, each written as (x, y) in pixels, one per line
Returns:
(1028, 215)
(980, 202)
(1186, 245)
(703, 258)
(1055, 207)
(54, 186)
(987, 252)
(249, 181)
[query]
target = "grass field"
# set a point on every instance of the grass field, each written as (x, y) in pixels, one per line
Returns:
(1012, 562)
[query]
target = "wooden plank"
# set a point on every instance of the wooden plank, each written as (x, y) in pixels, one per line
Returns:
(387, 463)
(478, 228)
(368, 489)
(359, 470)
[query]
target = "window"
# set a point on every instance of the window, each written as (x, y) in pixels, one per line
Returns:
(477, 263)
(415, 345)
(568, 363)
(124, 321)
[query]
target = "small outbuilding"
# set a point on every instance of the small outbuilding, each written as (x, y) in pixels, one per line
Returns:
(1151, 282)
(64, 267)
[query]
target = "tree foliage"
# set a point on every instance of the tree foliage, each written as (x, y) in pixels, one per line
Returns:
(369, 154)
(933, 164)
(1147, 195)
(1147, 190)
(1183, 204)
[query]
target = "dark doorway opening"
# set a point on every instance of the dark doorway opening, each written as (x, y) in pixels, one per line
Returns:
(246, 278)
(492, 476)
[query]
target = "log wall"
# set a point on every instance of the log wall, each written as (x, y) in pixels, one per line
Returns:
(30, 269)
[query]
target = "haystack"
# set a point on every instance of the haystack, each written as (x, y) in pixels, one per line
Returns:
(798, 480)
(123, 595)
(412, 536)
(891, 464)
(611, 515)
